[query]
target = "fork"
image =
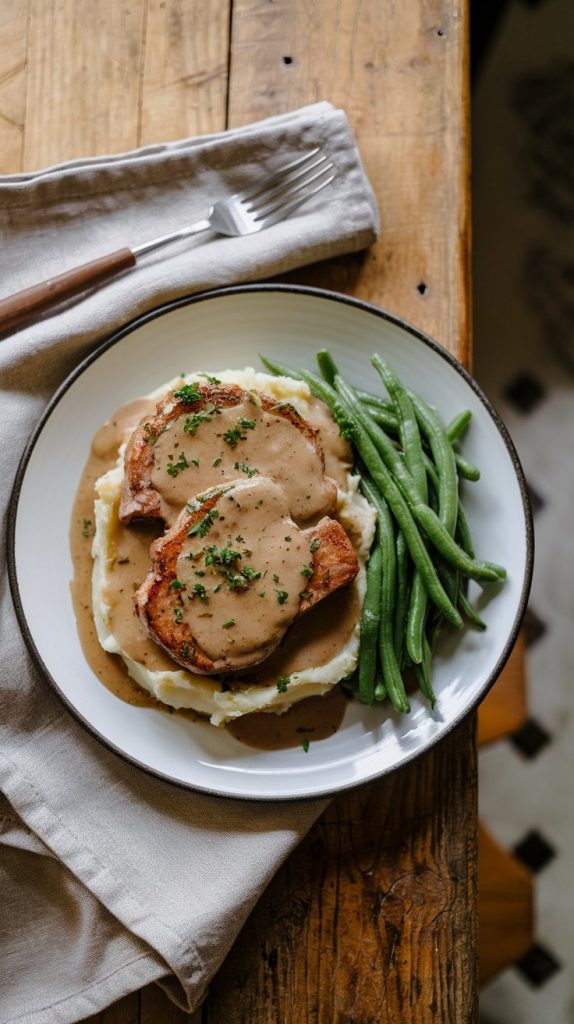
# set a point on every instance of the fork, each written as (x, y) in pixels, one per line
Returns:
(244, 213)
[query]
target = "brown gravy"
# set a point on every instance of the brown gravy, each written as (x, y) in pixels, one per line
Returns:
(314, 640)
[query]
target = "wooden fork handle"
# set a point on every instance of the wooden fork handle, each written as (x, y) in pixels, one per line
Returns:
(18, 309)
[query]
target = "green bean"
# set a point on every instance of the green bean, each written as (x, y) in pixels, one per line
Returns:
(403, 596)
(466, 469)
(402, 514)
(469, 612)
(327, 366)
(369, 627)
(434, 528)
(389, 421)
(376, 400)
(391, 672)
(458, 425)
(435, 432)
(409, 434)
(423, 673)
(383, 416)
(410, 439)
(463, 533)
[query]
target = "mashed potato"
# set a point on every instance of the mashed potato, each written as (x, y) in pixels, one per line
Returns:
(179, 688)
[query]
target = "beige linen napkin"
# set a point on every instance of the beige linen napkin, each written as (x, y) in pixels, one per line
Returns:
(110, 878)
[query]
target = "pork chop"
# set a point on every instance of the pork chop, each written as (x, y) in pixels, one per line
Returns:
(205, 434)
(234, 572)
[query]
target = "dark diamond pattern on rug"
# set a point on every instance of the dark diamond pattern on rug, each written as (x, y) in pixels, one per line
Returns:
(530, 739)
(533, 628)
(524, 392)
(538, 965)
(537, 502)
(534, 851)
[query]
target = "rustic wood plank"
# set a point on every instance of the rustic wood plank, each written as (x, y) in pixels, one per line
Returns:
(367, 920)
(157, 1008)
(506, 908)
(505, 708)
(374, 917)
(184, 84)
(400, 72)
(13, 37)
(84, 79)
(124, 1011)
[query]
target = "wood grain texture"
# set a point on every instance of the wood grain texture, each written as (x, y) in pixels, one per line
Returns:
(368, 920)
(13, 44)
(84, 75)
(400, 72)
(184, 80)
(124, 1011)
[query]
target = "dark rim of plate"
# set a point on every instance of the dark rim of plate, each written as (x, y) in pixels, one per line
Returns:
(219, 293)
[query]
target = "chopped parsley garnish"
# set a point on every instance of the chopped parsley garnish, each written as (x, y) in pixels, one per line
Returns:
(175, 584)
(282, 596)
(198, 572)
(86, 524)
(174, 468)
(221, 556)
(193, 422)
(259, 503)
(233, 435)
(178, 615)
(305, 595)
(315, 545)
(203, 526)
(307, 571)
(228, 624)
(236, 582)
(217, 588)
(246, 424)
(245, 469)
(184, 650)
(199, 589)
(210, 379)
(275, 578)
(288, 539)
(195, 462)
(282, 683)
(305, 744)
(188, 393)
(251, 574)
(239, 539)
(217, 462)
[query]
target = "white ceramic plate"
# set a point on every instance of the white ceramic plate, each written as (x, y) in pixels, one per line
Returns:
(227, 329)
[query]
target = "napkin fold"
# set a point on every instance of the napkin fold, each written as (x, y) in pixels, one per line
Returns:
(110, 878)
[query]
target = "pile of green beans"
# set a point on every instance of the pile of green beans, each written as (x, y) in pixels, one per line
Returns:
(423, 554)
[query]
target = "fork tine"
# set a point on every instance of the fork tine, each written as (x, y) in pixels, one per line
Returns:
(268, 194)
(284, 196)
(288, 208)
(275, 178)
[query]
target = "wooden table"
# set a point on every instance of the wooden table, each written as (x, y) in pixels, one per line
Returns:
(373, 919)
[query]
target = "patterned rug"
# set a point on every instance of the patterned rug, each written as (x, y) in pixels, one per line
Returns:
(523, 110)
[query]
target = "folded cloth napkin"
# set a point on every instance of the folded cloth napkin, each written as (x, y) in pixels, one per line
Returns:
(109, 878)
